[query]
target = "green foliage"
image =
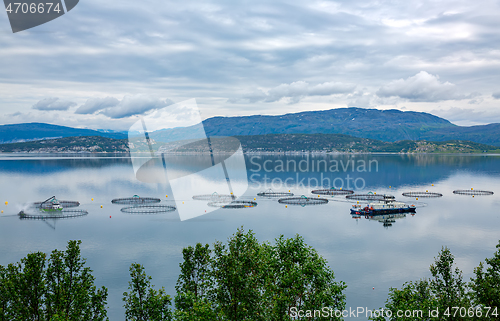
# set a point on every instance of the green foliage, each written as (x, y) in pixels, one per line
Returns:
(445, 289)
(486, 284)
(246, 280)
(60, 288)
(297, 276)
(143, 302)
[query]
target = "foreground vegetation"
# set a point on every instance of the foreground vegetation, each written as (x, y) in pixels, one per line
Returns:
(241, 279)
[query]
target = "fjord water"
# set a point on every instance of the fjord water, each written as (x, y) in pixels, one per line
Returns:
(367, 255)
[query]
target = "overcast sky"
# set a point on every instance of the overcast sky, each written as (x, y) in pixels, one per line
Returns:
(105, 62)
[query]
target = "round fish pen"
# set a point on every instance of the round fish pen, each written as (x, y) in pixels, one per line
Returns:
(472, 192)
(303, 201)
(332, 192)
(233, 204)
(42, 215)
(270, 194)
(148, 209)
(422, 194)
(135, 200)
(369, 197)
(214, 197)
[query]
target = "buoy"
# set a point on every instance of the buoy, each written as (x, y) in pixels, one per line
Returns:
(390, 186)
(6, 203)
(374, 288)
(288, 191)
(375, 193)
(205, 211)
(182, 202)
(427, 191)
(231, 193)
(166, 195)
(254, 199)
(101, 206)
(110, 216)
(318, 195)
(472, 195)
(92, 199)
(471, 189)
(357, 202)
(432, 184)
(2, 211)
(417, 198)
(286, 206)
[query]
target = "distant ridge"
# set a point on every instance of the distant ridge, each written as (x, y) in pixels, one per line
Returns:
(26, 132)
(384, 125)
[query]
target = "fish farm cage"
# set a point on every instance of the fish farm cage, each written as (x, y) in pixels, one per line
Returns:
(332, 192)
(303, 201)
(148, 209)
(233, 204)
(422, 194)
(270, 194)
(370, 197)
(41, 215)
(135, 200)
(51, 201)
(214, 197)
(472, 192)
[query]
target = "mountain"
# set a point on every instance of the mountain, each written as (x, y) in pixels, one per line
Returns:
(38, 131)
(385, 125)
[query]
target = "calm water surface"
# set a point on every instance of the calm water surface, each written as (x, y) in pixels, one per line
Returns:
(362, 252)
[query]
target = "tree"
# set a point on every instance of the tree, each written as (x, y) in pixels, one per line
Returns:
(486, 284)
(246, 280)
(443, 291)
(297, 276)
(60, 288)
(194, 299)
(143, 302)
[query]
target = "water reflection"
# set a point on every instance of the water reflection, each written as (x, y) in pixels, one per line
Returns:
(386, 219)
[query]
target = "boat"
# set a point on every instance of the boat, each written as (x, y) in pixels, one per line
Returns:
(51, 205)
(389, 206)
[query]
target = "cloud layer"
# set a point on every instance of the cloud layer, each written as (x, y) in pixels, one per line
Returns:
(241, 58)
(53, 104)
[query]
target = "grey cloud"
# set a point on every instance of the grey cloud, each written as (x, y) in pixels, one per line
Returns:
(93, 105)
(295, 91)
(53, 104)
(423, 87)
(135, 105)
(496, 95)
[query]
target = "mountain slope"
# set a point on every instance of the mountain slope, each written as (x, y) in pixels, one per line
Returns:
(37, 131)
(386, 125)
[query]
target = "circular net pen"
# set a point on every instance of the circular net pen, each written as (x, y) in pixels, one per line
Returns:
(41, 215)
(148, 209)
(332, 192)
(472, 192)
(233, 204)
(369, 197)
(303, 201)
(271, 194)
(135, 200)
(215, 197)
(422, 194)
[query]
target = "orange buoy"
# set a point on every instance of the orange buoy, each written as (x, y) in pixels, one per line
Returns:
(6, 203)
(101, 206)
(92, 199)
(166, 195)
(110, 216)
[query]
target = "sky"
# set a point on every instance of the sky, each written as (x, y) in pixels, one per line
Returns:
(105, 63)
